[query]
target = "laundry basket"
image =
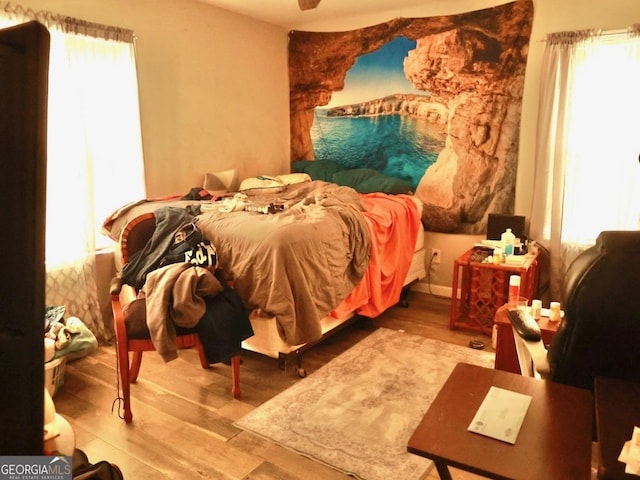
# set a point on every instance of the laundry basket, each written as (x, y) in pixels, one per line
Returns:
(54, 374)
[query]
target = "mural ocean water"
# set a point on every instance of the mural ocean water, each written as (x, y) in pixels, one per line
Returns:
(396, 145)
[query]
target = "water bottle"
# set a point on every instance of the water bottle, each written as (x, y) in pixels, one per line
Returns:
(508, 242)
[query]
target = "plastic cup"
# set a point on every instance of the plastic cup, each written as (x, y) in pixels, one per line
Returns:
(523, 304)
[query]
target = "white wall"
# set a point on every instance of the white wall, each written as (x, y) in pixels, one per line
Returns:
(214, 87)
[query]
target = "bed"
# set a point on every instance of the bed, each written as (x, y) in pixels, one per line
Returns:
(305, 257)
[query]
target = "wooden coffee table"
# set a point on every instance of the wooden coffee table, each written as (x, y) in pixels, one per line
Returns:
(554, 441)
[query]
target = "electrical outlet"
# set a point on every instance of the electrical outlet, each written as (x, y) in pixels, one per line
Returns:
(435, 256)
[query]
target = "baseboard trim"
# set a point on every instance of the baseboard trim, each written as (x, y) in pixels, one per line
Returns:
(439, 290)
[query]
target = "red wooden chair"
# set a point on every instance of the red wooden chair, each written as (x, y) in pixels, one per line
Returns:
(135, 237)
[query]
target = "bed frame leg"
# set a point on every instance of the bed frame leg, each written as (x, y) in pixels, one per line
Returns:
(404, 294)
(283, 361)
(299, 370)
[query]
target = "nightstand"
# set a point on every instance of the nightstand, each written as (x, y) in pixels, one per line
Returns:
(484, 288)
(506, 355)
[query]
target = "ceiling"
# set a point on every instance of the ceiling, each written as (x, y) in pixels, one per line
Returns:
(287, 14)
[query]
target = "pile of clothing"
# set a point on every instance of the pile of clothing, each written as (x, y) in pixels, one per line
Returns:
(68, 337)
(179, 285)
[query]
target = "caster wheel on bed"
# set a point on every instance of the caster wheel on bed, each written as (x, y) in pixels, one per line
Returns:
(302, 372)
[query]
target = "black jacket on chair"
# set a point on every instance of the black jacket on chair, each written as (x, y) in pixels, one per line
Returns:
(600, 332)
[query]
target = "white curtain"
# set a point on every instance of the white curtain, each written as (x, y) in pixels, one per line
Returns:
(94, 152)
(587, 173)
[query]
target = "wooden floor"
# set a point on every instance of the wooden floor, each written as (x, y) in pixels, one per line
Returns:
(183, 415)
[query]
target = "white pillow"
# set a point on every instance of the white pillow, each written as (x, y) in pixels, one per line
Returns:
(221, 182)
(261, 184)
(292, 178)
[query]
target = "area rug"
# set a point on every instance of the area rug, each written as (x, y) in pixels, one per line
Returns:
(357, 412)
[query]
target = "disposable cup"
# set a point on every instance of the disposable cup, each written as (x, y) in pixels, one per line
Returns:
(523, 304)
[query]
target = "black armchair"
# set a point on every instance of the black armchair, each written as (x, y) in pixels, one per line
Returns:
(599, 334)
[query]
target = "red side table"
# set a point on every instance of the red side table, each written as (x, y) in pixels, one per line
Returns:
(484, 288)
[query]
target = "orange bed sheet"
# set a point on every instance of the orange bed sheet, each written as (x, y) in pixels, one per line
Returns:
(393, 222)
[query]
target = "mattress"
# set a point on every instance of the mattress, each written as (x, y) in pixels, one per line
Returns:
(417, 270)
(267, 340)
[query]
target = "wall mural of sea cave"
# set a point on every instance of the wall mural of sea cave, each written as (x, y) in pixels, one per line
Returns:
(435, 101)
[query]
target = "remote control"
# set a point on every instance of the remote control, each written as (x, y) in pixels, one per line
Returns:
(524, 324)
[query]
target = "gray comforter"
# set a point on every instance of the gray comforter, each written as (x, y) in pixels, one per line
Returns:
(297, 264)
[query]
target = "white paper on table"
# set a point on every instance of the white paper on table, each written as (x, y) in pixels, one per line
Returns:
(501, 414)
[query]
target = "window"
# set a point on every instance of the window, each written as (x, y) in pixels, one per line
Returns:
(94, 151)
(94, 142)
(587, 169)
(602, 178)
